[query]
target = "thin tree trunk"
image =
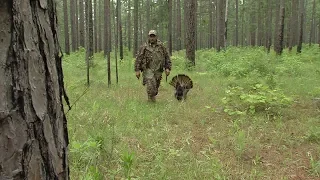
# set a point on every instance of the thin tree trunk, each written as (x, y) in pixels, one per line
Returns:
(185, 20)
(242, 24)
(269, 26)
(120, 30)
(116, 31)
(226, 24)
(293, 24)
(129, 27)
(140, 40)
(253, 26)
(277, 19)
(108, 39)
(259, 36)
(148, 24)
(88, 53)
(66, 27)
(90, 33)
(299, 47)
(135, 33)
(105, 27)
(73, 25)
(100, 37)
(211, 11)
(77, 24)
(174, 26)
(81, 20)
(179, 39)
(312, 25)
(170, 27)
(95, 23)
(279, 44)
(34, 135)
(237, 23)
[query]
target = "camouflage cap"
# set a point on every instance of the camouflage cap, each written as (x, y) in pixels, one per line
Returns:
(154, 32)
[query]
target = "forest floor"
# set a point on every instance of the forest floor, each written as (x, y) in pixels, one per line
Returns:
(250, 115)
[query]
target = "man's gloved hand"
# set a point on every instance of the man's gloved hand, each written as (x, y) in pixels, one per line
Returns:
(167, 72)
(138, 74)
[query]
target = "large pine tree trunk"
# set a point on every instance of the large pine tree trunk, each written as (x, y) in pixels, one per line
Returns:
(191, 32)
(293, 24)
(33, 127)
(221, 24)
(280, 34)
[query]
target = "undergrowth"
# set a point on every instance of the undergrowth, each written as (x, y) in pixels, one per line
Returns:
(250, 115)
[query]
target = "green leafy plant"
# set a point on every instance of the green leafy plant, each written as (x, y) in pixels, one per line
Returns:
(127, 161)
(257, 98)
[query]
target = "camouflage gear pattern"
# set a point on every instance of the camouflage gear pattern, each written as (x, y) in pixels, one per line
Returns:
(152, 60)
(152, 32)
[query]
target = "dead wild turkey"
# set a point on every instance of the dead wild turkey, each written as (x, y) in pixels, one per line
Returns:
(182, 83)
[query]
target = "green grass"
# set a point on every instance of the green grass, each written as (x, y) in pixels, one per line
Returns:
(116, 134)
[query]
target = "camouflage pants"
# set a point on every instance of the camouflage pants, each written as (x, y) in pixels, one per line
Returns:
(152, 85)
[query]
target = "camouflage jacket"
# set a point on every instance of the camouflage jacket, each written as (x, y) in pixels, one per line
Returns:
(155, 58)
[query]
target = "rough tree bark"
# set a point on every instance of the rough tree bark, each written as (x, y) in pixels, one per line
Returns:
(279, 43)
(191, 32)
(33, 127)
(293, 23)
(221, 24)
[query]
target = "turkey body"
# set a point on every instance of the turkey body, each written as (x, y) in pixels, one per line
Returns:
(182, 84)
